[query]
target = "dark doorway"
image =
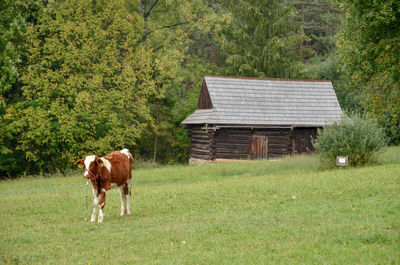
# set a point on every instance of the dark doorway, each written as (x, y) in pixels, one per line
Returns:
(302, 144)
(259, 147)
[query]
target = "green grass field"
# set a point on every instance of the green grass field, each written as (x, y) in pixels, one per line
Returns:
(278, 212)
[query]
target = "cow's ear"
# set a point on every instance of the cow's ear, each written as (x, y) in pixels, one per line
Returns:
(79, 163)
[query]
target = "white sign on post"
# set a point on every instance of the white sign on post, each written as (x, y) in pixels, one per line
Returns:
(342, 161)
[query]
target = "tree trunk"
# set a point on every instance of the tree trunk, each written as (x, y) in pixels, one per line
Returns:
(155, 148)
(302, 20)
(156, 131)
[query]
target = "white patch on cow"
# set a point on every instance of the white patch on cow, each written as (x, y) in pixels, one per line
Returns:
(94, 194)
(96, 200)
(88, 160)
(106, 163)
(103, 190)
(101, 216)
(126, 152)
(93, 218)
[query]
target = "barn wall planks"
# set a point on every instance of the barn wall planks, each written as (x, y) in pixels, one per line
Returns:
(200, 142)
(278, 141)
(232, 143)
(236, 143)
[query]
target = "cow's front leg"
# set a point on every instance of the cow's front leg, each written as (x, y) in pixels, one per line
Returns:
(102, 203)
(96, 199)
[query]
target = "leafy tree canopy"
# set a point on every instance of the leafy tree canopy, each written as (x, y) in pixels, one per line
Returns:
(263, 40)
(369, 48)
(87, 86)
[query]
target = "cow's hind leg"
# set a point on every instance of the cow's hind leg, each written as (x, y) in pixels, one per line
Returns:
(96, 199)
(127, 191)
(102, 203)
(123, 199)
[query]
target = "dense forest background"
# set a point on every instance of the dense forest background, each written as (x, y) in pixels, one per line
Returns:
(93, 76)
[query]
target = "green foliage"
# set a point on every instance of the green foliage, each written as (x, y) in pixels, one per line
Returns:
(15, 17)
(87, 86)
(12, 28)
(369, 48)
(369, 41)
(263, 40)
(327, 67)
(176, 32)
(321, 22)
(358, 137)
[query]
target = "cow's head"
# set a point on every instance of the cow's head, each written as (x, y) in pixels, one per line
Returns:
(91, 164)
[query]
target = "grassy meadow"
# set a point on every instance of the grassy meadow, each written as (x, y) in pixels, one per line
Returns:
(288, 211)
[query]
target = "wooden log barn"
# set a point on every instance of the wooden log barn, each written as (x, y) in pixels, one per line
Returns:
(254, 118)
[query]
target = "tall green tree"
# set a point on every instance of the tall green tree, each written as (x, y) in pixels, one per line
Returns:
(87, 86)
(175, 31)
(15, 16)
(321, 22)
(263, 39)
(12, 25)
(369, 49)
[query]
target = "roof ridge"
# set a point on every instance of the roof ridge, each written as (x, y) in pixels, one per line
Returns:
(270, 79)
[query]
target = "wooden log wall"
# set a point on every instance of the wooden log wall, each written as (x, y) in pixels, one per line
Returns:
(235, 143)
(278, 141)
(201, 142)
(232, 143)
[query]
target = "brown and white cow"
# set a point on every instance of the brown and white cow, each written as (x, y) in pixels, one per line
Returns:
(112, 170)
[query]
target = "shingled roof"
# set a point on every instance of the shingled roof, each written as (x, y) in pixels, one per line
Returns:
(271, 102)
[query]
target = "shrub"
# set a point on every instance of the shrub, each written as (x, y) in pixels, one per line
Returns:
(358, 137)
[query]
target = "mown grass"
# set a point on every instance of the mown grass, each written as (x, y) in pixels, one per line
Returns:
(278, 212)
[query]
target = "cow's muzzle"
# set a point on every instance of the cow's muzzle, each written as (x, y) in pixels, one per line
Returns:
(89, 174)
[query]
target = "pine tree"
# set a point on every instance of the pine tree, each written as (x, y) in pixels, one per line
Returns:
(321, 22)
(263, 40)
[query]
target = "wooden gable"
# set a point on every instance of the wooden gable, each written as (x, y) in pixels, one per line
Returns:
(204, 101)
